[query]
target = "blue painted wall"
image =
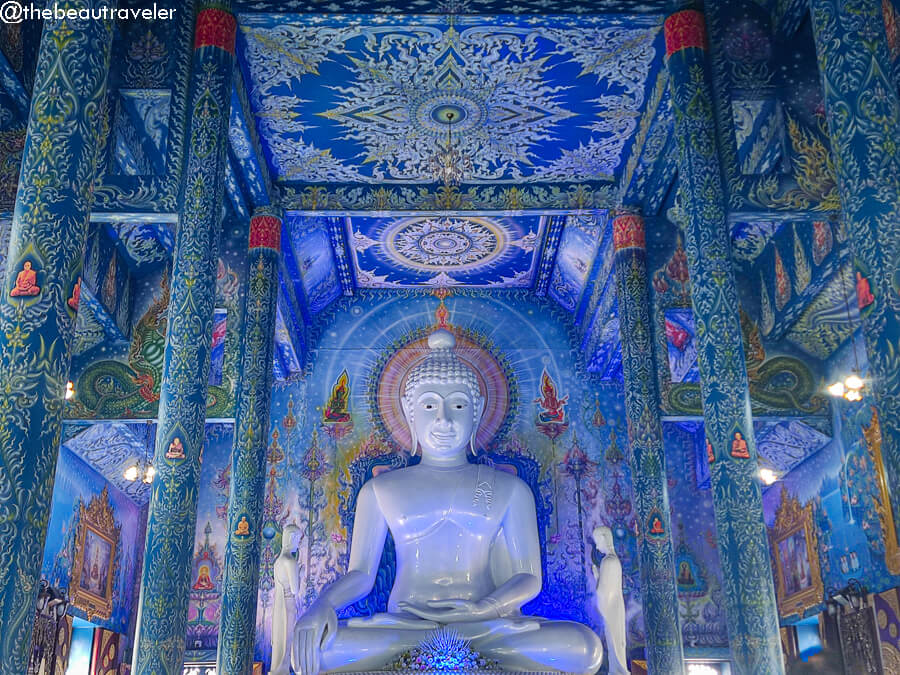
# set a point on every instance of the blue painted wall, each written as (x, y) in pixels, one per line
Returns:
(76, 484)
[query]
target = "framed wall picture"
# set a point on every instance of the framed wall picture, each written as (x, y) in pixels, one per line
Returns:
(94, 566)
(883, 506)
(798, 579)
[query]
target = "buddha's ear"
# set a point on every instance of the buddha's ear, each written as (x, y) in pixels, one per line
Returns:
(408, 414)
(478, 412)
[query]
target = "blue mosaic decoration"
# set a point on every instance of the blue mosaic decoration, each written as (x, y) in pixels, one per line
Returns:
(741, 532)
(248, 460)
(445, 251)
(37, 324)
(160, 640)
(648, 463)
(863, 114)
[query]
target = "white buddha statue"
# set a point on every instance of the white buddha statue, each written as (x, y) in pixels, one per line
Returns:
(467, 548)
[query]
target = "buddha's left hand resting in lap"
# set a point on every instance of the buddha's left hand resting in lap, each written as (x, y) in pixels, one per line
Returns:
(467, 547)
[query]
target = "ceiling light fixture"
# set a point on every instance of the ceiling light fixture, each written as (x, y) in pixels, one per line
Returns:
(767, 476)
(142, 468)
(851, 387)
(449, 165)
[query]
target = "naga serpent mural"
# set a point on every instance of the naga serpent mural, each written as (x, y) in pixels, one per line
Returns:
(113, 389)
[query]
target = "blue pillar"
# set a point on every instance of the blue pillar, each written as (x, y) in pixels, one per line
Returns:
(863, 113)
(659, 593)
(172, 518)
(248, 458)
(740, 529)
(37, 323)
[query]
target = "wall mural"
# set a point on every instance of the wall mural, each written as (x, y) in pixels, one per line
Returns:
(575, 258)
(596, 309)
(698, 573)
(209, 549)
(556, 430)
(840, 487)
(781, 383)
(314, 257)
(143, 153)
(121, 379)
(93, 545)
(110, 448)
(105, 273)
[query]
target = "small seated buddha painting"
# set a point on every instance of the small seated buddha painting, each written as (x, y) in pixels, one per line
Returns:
(176, 449)
(26, 282)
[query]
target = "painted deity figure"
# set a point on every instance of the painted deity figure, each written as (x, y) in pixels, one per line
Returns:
(552, 408)
(204, 581)
(467, 548)
(337, 409)
(26, 282)
(284, 610)
(610, 600)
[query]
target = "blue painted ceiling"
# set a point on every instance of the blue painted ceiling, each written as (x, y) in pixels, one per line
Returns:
(363, 100)
(423, 251)
(456, 6)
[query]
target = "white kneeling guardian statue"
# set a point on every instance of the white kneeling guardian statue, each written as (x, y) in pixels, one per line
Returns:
(468, 555)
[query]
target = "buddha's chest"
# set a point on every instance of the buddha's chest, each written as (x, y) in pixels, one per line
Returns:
(464, 506)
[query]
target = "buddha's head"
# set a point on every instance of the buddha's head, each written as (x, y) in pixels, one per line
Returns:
(442, 401)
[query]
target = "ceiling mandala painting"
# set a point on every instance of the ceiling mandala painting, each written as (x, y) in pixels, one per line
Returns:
(445, 251)
(530, 100)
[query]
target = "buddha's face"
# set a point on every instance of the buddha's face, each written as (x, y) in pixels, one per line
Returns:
(443, 419)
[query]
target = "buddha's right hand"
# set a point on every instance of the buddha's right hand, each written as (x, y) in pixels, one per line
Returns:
(313, 633)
